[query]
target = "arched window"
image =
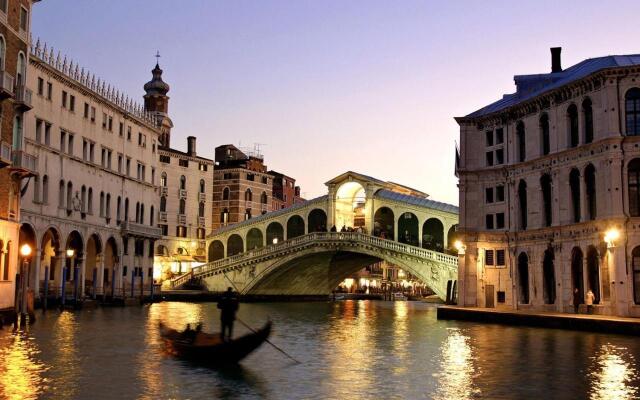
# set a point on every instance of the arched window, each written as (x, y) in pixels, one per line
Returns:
(522, 141)
(248, 196)
(163, 204)
(90, 201)
(548, 277)
(137, 212)
(635, 260)
(61, 194)
(593, 273)
(45, 189)
(201, 209)
(263, 198)
(163, 179)
(574, 185)
(544, 133)
(201, 185)
(141, 213)
(108, 206)
(36, 189)
(102, 204)
(590, 186)
(182, 206)
(225, 194)
(151, 216)
(2, 52)
(522, 198)
(126, 209)
(523, 278)
(21, 71)
(633, 173)
(83, 199)
(69, 196)
(572, 122)
(632, 111)
(183, 183)
(587, 112)
(119, 209)
(545, 186)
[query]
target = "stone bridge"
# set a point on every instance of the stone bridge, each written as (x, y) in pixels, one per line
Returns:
(294, 251)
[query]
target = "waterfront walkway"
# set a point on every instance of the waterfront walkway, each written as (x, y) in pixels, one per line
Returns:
(582, 322)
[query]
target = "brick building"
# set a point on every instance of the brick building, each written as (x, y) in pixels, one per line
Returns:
(284, 190)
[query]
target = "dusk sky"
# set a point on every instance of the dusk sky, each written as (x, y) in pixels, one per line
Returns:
(331, 86)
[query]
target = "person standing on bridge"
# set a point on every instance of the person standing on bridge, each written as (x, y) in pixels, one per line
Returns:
(228, 306)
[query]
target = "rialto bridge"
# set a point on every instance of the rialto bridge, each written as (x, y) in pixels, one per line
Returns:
(309, 248)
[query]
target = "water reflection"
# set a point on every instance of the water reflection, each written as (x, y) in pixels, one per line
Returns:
(455, 381)
(20, 372)
(66, 372)
(400, 336)
(612, 374)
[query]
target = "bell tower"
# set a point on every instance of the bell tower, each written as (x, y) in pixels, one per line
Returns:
(156, 102)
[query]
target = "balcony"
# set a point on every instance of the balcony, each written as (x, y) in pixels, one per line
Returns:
(162, 216)
(24, 164)
(183, 193)
(164, 191)
(202, 197)
(22, 100)
(5, 154)
(201, 222)
(133, 229)
(182, 219)
(6, 85)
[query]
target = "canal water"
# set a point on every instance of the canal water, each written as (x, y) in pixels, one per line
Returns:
(348, 349)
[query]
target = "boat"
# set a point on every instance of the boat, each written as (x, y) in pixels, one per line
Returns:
(209, 348)
(399, 297)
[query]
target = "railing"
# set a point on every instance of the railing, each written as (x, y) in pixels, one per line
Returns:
(23, 96)
(140, 229)
(354, 237)
(202, 197)
(162, 216)
(24, 160)
(182, 279)
(182, 193)
(182, 219)
(6, 83)
(5, 151)
(164, 191)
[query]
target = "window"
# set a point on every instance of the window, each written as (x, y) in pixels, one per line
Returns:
(110, 124)
(500, 258)
(499, 136)
(183, 163)
(47, 134)
(522, 200)
(490, 159)
(90, 201)
(108, 207)
(632, 112)
(263, 198)
(182, 207)
(69, 196)
(92, 147)
(36, 189)
(39, 125)
(201, 233)
(181, 231)
(522, 141)
(164, 229)
(86, 110)
(64, 99)
(165, 159)
(163, 204)
(634, 189)
(202, 186)
(499, 156)
(45, 189)
(102, 204)
(544, 132)
(265, 180)
(545, 186)
(109, 154)
(103, 157)
(3, 8)
(500, 221)
(24, 18)
(587, 112)
(247, 214)
(61, 194)
(590, 186)
(85, 149)
(40, 80)
(635, 260)
(70, 148)
(572, 122)
(488, 195)
(202, 167)
(104, 121)
(93, 114)
(163, 179)
(183, 183)
(225, 194)
(488, 257)
(489, 221)
(153, 176)
(574, 185)
(63, 140)
(121, 129)
(72, 103)
(250, 177)
(118, 210)
(499, 193)
(120, 163)
(201, 209)
(128, 167)
(49, 90)
(248, 196)
(128, 133)
(489, 138)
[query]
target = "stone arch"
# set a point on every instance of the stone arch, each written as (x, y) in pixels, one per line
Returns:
(50, 244)
(93, 252)
(255, 239)
(350, 200)
(548, 277)
(216, 250)
(383, 223)
(523, 278)
(74, 242)
(408, 229)
(317, 220)
(577, 279)
(235, 245)
(275, 233)
(162, 250)
(433, 235)
(593, 273)
(27, 235)
(295, 226)
(111, 263)
(452, 236)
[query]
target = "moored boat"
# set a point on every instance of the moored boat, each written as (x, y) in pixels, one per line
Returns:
(209, 348)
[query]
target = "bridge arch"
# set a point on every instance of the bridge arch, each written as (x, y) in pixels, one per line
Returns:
(295, 226)
(216, 251)
(433, 234)
(255, 239)
(408, 230)
(275, 233)
(452, 236)
(317, 220)
(383, 223)
(235, 245)
(350, 201)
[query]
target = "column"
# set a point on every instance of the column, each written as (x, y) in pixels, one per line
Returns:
(57, 263)
(583, 198)
(35, 273)
(619, 281)
(100, 275)
(81, 275)
(395, 226)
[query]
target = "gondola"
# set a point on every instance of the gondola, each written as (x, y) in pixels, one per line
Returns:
(209, 348)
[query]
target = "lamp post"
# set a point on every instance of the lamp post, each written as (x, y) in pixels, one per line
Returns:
(71, 256)
(25, 252)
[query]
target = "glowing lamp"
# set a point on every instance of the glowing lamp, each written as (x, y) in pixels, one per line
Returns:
(275, 240)
(611, 236)
(25, 250)
(459, 246)
(70, 253)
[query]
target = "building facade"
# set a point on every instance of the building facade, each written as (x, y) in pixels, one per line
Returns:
(186, 181)
(550, 194)
(285, 192)
(242, 187)
(16, 163)
(89, 212)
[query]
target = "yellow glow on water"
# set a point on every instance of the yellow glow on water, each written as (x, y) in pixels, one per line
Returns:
(401, 339)
(455, 381)
(20, 374)
(612, 375)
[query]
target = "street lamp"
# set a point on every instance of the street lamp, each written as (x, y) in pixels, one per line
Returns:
(460, 247)
(25, 252)
(611, 236)
(275, 240)
(70, 253)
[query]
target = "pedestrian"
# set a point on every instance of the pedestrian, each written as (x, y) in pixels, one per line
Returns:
(344, 228)
(228, 306)
(589, 301)
(333, 229)
(576, 300)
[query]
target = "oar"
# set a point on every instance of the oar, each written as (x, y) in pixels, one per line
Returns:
(268, 341)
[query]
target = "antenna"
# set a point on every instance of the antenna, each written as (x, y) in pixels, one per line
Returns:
(157, 56)
(256, 148)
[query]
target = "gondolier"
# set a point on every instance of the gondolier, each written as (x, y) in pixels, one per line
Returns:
(228, 306)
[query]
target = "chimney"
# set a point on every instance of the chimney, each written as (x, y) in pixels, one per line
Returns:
(555, 59)
(191, 145)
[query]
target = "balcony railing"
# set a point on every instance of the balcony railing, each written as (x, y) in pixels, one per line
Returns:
(5, 154)
(183, 193)
(6, 85)
(131, 228)
(201, 222)
(162, 216)
(164, 191)
(182, 219)
(23, 98)
(202, 197)
(25, 162)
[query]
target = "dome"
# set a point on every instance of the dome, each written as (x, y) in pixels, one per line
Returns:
(156, 85)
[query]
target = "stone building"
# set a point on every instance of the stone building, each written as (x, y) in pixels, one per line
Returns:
(284, 190)
(186, 181)
(242, 187)
(16, 163)
(90, 210)
(549, 180)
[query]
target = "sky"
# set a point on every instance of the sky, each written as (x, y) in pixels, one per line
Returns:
(329, 86)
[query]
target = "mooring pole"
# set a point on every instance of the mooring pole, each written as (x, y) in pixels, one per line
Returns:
(64, 284)
(95, 283)
(75, 284)
(46, 288)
